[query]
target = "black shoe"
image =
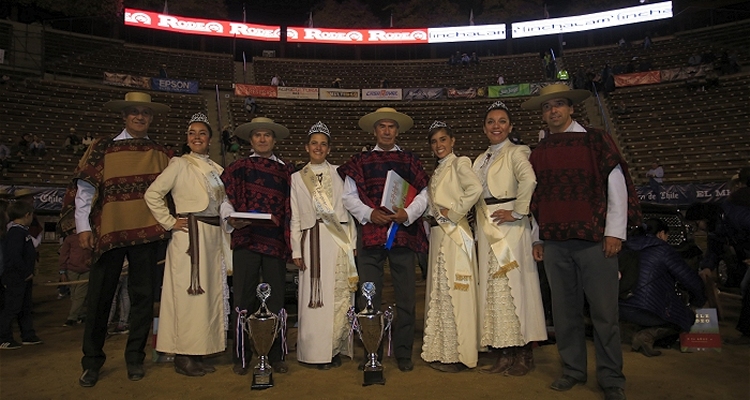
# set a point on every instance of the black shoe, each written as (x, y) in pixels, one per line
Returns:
(614, 393)
(564, 383)
(89, 378)
(32, 341)
(136, 372)
(237, 369)
(336, 361)
(405, 364)
(280, 367)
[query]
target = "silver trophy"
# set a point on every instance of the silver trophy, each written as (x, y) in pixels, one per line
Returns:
(371, 325)
(264, 326)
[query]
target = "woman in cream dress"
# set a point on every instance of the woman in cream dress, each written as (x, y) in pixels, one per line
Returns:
(510, 302)
(323, 237)
(450, 333)
(194, 301)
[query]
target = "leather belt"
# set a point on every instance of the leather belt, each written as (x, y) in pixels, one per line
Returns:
(492, 201)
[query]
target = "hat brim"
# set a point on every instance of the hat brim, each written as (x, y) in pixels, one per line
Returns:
(245, 130)
(119, 105)
(25, 192)
(574, 95)
(367, 123)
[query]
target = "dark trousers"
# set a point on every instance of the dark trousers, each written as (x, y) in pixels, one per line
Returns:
(743, 323)
(370, 263)
(103, 279)
(17, 306)
(576, 268)
(250, 269)
(641, 317)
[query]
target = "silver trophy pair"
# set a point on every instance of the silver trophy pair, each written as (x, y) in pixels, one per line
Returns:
(263, 327)
(370, 325)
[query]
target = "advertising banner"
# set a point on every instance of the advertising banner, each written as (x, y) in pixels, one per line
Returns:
(286, 92)
(684, 73)
(199, 26)
(263, 91)
(339, 94)
(174, 85)
(126, 80)
(604, 19)
(356, 36)
(424, 94)
(49, 199)
(471, 33)
(382, 94)
(523, 89)
(681, 195)
(638, 78)
(469, 93)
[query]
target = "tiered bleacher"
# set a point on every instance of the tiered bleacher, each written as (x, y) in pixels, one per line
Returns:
(697, 136)
(90, 57)
(399, 74)
(50, 108)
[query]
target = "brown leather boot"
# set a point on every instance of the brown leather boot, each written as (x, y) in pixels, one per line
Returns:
(206, 367)
(186, 365)
(644, 339)
(523, 362)
(504, 361)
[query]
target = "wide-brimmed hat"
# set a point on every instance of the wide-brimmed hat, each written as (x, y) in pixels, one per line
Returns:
(23, 192)
(555, 91)
(136, 99)
(245, 130)
(404, 121)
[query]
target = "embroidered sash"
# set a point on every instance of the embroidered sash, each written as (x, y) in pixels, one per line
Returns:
(324, 209)
(497, 241)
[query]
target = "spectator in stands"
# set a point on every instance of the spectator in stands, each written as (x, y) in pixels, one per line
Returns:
(694, 60)
(474, 58)
(163, 71)
(708, 56)
(384, 83)
(646, 42)
(456, 58)
(193, 317)
(465, 60)
(511, 315)
(336, 84)
(74, 265)
(276, 81)
(712, 79)
(450, 317)
(259, 183)
(653, 303)
(72, 141)
(87, 140)
(580, 249)
(622, 43)
(323, 239)
(500, 80)
(22, 147)
(562, 75)
(549, 66)
(364, 176)
(226, 137)
(250, 106)
(4, 157)
(116, 238)
(645, 65)
(655, 178)
(37, 147)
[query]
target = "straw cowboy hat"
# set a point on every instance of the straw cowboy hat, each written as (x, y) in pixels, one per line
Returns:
(23, 192)
(245, 130)
(404, 121)
(555, 91)
(136, 99)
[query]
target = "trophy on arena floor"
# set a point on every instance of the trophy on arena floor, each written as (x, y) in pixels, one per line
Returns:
(370, 327)
(264, 325)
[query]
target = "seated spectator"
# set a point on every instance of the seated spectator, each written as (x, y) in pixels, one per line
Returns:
(474, 58)
(4, 156)
(653, 303)
(465, 59)
(500, 80)
(712, 79)
(276, 81)
(646, 43)
(336, 84)
(226, 137)
(384, 83)
(562, 75)
(163, 71)
(22, 147)
(708, 57)
(87, 140)
(694, 60)
(250, 106)
(72, 142)
(37, 147)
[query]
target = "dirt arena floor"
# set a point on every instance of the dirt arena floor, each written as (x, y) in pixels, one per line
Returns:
(51, 370)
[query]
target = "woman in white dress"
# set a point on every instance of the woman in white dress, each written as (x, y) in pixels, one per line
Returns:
(194, 300)
(450, 332)
(324, 238)
(510, 302)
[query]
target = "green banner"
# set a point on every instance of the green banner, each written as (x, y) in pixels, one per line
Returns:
(522, 89)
